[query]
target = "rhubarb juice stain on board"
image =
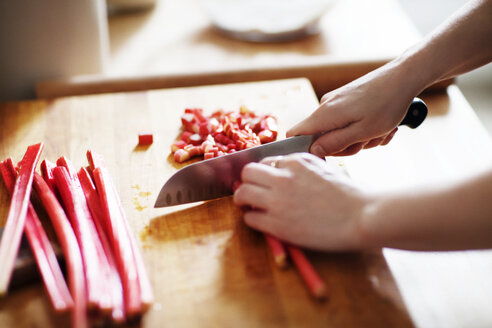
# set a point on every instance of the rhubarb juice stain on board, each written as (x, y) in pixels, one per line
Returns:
(140, 197)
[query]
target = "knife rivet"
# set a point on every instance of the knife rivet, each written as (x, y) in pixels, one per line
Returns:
(168, 199)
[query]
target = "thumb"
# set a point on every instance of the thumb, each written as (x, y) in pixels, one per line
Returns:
(335, 141)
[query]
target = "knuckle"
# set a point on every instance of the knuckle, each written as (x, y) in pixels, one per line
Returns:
(282, 181)
(247, 172)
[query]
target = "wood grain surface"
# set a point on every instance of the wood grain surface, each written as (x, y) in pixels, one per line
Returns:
(207, 268)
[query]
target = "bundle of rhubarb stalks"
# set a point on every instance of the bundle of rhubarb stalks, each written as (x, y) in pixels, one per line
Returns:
(106, 276)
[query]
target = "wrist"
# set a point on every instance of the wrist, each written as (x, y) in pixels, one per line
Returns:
(367, 233)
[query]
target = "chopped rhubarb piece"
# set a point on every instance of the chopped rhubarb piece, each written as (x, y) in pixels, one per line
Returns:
(231, 146)
(207, 146)
(308, 273)
(266, 136)
(181, 156)
(214, 124)
(41, 247)
(145, 139)
(93, 201)
(208, 155)
(188, 119)
(199, 115)
(180, 144)
(70, 249)
(240, 145)
(185, 136)
(195, 151)
(222, 148)
(79, 215)
(196, 139)
(214, 150)
(12, 235)
(278, 251)
(204, 128)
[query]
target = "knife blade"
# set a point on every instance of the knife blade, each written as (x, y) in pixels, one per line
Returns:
(214, 178)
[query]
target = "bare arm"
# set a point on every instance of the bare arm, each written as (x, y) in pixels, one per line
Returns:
(366, 112)
(457, 216)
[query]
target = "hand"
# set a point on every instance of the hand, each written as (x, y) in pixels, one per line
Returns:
(362, 114)
(302, 201)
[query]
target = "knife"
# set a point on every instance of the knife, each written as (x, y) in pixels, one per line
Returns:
(214, 178)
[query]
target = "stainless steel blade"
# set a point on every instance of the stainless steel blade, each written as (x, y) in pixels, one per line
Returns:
(213, 178)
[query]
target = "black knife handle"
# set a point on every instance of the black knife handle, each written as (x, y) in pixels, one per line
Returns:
(416, 113)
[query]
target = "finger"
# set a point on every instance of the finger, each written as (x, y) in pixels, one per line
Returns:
(389, 137)
(374, 142)
(259, 221)
(258, 174)
(273, 161)
(324, 118)
(252, 195)
(336, 141)
(351, 150)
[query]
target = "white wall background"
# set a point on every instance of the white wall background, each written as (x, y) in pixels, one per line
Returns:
(476, 85)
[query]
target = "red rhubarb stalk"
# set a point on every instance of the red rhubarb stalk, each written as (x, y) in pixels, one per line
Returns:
(278, 251)
(308, 273)
(104, 288)
(11, 238)
(78, 215)
(47, 173)
(41, 247)
(94, 204)
(122, 247)
(146, 293)
(70, 249)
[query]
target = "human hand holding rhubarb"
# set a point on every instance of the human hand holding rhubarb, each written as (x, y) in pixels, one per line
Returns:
(302, 201)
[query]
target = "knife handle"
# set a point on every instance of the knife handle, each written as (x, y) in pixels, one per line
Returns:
(416, 113)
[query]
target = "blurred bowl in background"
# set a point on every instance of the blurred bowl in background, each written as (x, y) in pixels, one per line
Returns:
(266, 20)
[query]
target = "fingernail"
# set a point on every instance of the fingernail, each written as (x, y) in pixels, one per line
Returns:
(318, 151)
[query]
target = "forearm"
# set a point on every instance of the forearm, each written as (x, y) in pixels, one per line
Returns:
(460, 44)
(452, 217)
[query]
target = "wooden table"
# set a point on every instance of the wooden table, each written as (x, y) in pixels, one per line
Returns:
(208, 269)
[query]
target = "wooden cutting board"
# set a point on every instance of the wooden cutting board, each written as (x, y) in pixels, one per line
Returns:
(207, 268)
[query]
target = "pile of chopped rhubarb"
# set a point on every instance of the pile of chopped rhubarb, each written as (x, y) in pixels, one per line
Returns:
(107, 281)
(221, 133)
